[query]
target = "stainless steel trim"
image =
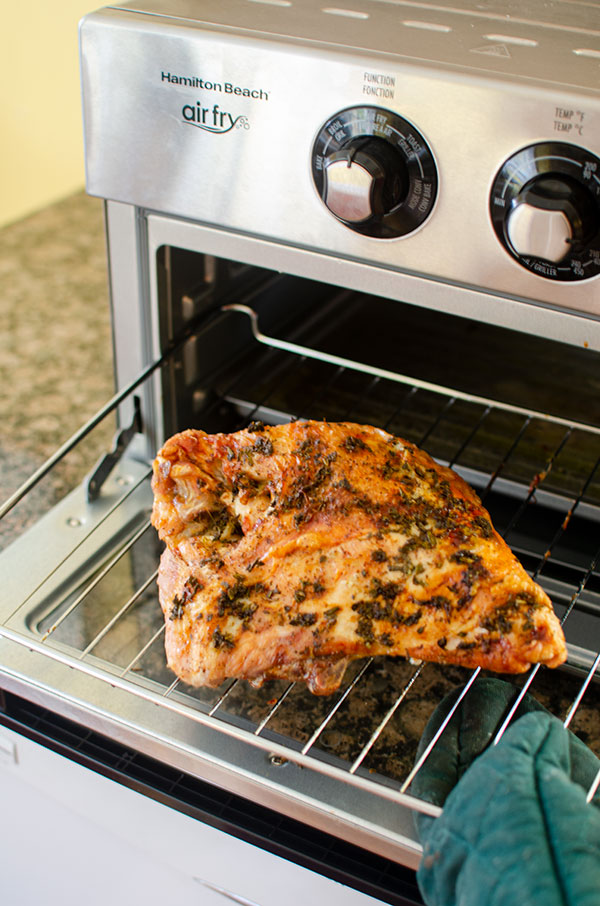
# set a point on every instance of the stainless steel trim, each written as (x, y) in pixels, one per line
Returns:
(514, 311)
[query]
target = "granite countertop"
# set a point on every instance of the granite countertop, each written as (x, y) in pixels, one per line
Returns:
(55, 348)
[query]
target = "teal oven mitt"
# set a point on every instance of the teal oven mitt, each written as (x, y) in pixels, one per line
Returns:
(515, 828)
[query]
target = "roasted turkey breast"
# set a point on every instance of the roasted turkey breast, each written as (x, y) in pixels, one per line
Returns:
(291, 550)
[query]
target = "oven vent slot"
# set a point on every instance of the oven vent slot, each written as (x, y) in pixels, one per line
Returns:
(347, 13)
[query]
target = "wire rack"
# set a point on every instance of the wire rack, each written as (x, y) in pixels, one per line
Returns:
(537, 474)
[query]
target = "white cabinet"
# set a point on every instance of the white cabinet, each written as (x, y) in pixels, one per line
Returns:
(70, 836)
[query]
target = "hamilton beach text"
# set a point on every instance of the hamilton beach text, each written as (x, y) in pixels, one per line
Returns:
(222, 87)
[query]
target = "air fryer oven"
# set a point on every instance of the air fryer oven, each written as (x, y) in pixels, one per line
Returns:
(247, 285)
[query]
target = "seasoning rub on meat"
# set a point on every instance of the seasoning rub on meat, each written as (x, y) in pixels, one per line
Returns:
(292, 550)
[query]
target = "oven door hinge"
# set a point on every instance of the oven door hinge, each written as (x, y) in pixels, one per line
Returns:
(106, 463)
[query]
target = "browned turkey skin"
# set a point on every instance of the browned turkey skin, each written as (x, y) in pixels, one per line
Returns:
(291, 550)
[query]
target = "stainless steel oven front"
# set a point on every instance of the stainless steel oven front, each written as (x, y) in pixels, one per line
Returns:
(385, 212)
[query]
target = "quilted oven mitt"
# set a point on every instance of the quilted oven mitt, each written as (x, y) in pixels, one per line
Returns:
(515, 828)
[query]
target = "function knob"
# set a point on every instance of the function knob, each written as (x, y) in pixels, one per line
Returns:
(367, 177)
(545, 210)
(549, 216)
(375, 172)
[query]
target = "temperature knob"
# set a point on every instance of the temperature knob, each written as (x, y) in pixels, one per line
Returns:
(545, 208)
(539, 232)
(374, 172)
(549, 216)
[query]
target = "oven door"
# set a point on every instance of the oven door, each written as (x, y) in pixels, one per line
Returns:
(214, 342)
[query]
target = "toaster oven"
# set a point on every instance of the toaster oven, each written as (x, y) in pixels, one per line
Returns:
(384, 212)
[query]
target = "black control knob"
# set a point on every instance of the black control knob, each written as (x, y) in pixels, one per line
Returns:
(375, 172)
(367, 177)
(545, 208)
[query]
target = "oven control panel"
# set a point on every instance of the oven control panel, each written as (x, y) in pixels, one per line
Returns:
(545, 209)
(367, 156)
(375, 172)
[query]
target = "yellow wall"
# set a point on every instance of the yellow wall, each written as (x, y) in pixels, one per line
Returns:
(41, 146)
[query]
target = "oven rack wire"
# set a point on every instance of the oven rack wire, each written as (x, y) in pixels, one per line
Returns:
(214, 712)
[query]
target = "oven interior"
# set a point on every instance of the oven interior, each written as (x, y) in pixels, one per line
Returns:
(518, 416)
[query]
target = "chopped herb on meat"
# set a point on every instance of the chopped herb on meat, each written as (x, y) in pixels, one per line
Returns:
(352, 443)
(222, 639)
(303, 619)
(190, 587)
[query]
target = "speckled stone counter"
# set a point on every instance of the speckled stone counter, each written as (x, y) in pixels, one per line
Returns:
(55, 348)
